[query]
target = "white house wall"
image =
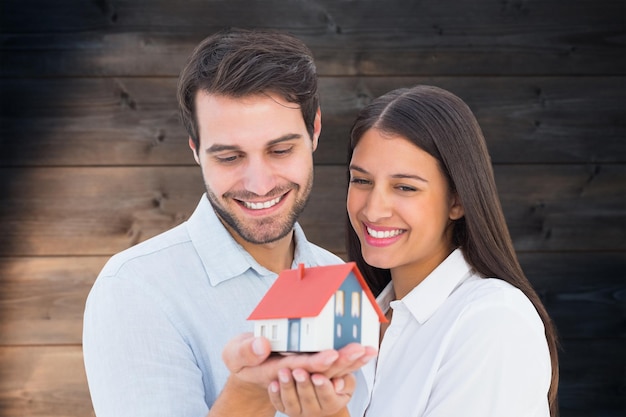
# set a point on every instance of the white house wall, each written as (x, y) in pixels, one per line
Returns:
(370, 327)
(279, 343)
(320, 330)
(317, 333)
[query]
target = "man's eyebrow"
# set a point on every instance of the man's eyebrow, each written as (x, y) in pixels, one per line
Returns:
(220, 148)
(357, 168)
(284, 138)
(217, 147)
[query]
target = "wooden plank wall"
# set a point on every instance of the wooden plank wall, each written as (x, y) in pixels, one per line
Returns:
(93, 158)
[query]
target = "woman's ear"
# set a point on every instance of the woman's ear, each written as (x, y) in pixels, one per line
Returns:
(456, 208)
(194, 151)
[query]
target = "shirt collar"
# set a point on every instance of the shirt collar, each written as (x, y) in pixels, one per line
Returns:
(222, 256)
(303, 254)
(424, 300)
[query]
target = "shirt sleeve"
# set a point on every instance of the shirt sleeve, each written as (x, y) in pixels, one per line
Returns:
(496, 363)
(137, 362)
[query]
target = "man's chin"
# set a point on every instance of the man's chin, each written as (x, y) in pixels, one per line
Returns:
(267, 237)
(259, 230)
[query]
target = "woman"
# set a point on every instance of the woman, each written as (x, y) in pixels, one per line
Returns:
(468, 334)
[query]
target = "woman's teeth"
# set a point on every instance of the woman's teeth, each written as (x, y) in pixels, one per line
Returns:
(383, 234)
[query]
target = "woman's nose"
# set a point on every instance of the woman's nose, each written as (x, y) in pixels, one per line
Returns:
(377, 205)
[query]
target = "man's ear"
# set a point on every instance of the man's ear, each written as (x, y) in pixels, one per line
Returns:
(456, 209)
(317, 128)
(192, 145)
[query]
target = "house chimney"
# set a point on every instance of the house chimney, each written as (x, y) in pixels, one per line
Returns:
(300, 271)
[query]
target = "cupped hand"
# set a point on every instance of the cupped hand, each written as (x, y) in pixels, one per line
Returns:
(250, 361)
(298, 393)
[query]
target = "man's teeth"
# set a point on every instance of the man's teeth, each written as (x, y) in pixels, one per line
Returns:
(260, 206)
(383, 234)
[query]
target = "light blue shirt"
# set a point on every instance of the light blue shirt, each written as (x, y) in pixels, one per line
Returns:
(160, 313)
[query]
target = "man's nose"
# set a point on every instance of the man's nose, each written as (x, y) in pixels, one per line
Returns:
(259, 176)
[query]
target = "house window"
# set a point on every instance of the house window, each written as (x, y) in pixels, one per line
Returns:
(355, 331)
(338, 330)
(339, 303)
(263, 330)
(356, 304)
(294, 335)
(274, 332)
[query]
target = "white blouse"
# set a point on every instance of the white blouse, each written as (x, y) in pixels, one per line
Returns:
(458, 345)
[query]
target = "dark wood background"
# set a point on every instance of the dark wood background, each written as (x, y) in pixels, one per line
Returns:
(93, 158)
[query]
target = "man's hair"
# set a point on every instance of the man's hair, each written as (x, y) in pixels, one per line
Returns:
(239, 62)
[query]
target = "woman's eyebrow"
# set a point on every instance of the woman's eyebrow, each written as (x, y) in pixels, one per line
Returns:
(353, 167)
(409, 176)
(357, 168)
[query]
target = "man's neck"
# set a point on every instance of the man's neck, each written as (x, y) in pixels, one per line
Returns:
(276, 256)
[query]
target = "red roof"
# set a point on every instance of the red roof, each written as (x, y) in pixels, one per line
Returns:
(303, 292)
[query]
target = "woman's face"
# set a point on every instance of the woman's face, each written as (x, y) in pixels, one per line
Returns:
(400, 206)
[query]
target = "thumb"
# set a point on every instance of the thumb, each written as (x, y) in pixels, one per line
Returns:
(245, 350)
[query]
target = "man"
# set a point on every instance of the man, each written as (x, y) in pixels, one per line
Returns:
(160, 313)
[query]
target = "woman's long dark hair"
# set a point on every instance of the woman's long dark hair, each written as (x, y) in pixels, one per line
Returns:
(441, 124)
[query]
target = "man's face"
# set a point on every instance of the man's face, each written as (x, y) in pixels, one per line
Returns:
(257, 163)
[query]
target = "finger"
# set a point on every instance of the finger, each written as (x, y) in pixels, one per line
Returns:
(275, 396)
(351, 357)
(333, 363)
(306, 392)
(310, 362)
(345, 384)
(245, 350)
(318, 362)
(288, 393)
(334, 394)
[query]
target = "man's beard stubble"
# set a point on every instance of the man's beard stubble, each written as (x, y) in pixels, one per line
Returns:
(265, 230)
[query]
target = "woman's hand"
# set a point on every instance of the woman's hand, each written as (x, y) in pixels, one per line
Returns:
(298, 393)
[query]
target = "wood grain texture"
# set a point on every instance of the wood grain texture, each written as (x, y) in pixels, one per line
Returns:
(42, 298)
(99, 211)
(43, 381)
(93, 158)
(134, 121)
(590, 383)
(592, 378)
(397, 37)
(24, 372)
(45, 297)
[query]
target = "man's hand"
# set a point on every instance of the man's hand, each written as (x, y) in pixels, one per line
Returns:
(250, 363)
(253, 367)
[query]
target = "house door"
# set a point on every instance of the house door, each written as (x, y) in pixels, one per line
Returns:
(293, 342)
(347, 313)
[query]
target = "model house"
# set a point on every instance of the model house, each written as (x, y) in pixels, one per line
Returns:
(323, 307)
